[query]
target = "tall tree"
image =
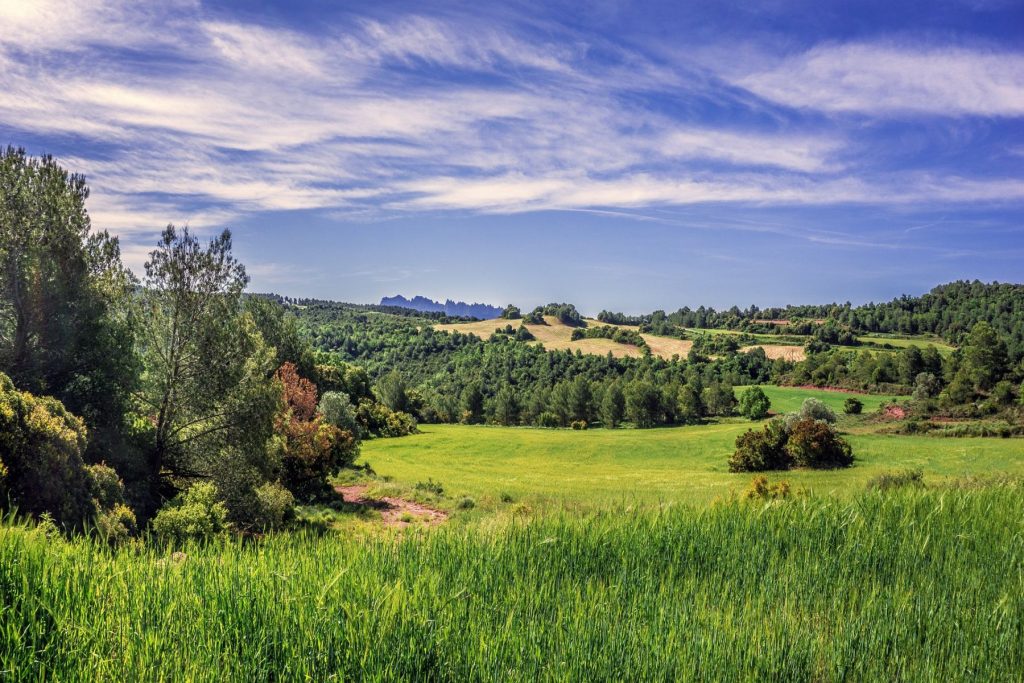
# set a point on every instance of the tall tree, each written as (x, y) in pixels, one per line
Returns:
(64, 324)
(207, 386)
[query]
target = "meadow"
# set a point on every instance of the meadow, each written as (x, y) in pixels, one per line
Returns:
(600, 468)
(905, 585)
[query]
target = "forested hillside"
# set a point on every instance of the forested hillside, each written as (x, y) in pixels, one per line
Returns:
(949, 311)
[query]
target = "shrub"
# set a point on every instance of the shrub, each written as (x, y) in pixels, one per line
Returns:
(754, 403)
(761, 489)
(195, 514)
(506, 497)
(578, 424)
(275, 506)
(895, 479)
(758, 451)
(116, 525)
(41, 445)
(853, 406)
(466, 503)
(430, 486)
(548, 419)
(814, 444)
(813, 409)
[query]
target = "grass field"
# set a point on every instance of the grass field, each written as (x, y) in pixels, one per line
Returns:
(601, 468)
(900, 586)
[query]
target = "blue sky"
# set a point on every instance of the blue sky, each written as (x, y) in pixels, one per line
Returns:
(618, 155)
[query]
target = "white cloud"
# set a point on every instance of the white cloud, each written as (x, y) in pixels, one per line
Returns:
(883, 78)
(232, 119)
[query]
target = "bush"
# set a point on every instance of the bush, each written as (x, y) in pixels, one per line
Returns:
(578, 424)
(41, 445)
(430, 486)
(548, 419)
(853, 406)
(275, 506)
(754, 404)
(466, 503)
(195, 514)
(813, 409)
(761, 450)
(896, 479)
(814, 444)
(116, 525)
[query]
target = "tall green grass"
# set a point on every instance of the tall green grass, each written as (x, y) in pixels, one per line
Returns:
(911, 585)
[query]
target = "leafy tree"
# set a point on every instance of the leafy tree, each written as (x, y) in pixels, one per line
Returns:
(613, 406)
(311, 448)
(690, 405)
(392, 392)
(338, 410)
(813, 409)
(926, 385)
(643, 403)
(984, 360)
(511, 313)
(207, 387)
(65, 328)
(506, 407)
(280, 330)
(719, 399)
(197, 513)
(754, 403)
(853, 406)
(472, 403)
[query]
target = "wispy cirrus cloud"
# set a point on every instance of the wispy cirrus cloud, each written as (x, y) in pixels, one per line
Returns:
(882, 78)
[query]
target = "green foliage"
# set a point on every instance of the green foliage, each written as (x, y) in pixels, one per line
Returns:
(66, 326)
(578, 425)
(41, 445)
(813, 443)
(853, 406)
(196, 513)
(619, 335)
(815, 409)
(566, 314)
(208, 385)
(754, 404)
(338, 410)
(116, 524)
(719, 399)
(506, 407)
(763, 450)
(275, 506)
(613, 406)
(511, 313)
(643, 404)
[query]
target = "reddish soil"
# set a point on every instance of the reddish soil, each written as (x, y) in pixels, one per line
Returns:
(895, 412)
(392, 510)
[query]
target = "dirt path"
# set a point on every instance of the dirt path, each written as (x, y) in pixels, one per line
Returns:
(394, 511)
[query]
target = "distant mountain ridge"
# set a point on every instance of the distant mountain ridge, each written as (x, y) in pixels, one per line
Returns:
(449, 307)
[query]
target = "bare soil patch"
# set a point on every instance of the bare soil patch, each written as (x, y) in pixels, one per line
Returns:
(395, 512)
